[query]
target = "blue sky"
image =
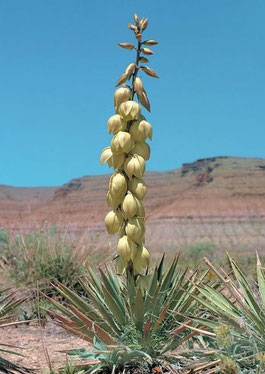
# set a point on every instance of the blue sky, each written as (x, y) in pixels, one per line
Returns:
(59, 62)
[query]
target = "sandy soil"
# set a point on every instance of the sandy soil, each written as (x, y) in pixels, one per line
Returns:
(33, 341)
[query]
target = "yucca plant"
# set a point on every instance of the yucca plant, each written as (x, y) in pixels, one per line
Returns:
(8, 303)
(238, 316)
(138, 315)
(127, 321)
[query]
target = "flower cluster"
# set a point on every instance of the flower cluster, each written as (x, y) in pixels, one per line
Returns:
(127, 155)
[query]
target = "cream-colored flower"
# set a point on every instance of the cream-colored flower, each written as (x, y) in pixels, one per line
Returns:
(129, 110)
(141, 211)
(106, 156)
(141, 149)
(134, 166)
(140, 259)
(140, 130)
(114, 221)
(118, 184)
(121, 94)
(117, 160)
(122, 142)
(141, 240)
(125, 248)
(115, 124)
(129, 206)
(145, 256)
(138, 187)
(114, 201)
(135, 228)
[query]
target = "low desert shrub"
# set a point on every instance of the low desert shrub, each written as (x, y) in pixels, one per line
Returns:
(32, 262)
(41, 258)
(194, 253)
(237, 308)
(70, 368)
(4, 236)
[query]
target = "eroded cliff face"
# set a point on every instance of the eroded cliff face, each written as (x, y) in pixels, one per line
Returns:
(218, 198)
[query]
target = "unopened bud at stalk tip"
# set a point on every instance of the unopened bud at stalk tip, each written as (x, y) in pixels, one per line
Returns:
(126, 45)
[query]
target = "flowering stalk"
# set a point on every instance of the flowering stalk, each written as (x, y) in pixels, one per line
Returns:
(127, 155)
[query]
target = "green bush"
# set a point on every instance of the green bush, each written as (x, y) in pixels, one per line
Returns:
(42, 258)
(4, 236)
(238, 317)
(194, 253)
(33, 262)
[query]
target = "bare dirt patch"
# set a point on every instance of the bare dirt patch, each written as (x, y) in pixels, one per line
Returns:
(34, 340)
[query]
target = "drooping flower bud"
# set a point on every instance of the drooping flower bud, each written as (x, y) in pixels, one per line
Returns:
(117, 160)
(126, 45)
(147, 51)
(141, 211)
(114, 221)
(141, 149)
(138, 85)
(132, 27)
(150, 42)
(143, 59)
(129, 110)
(129, 206)
(134, 166)
(122, 142)
(105, 156)
(122, 79)
(115, 124)
(137, 187)
(149, 71)
(143, 98)
(117, 184)
(140, 130)
(121, 94)
(141, 258)
(145, 256)
(135, 229)
(125, 248)
(114, 201)
(130, 69)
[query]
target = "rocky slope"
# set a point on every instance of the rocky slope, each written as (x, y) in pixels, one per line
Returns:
(220, 199)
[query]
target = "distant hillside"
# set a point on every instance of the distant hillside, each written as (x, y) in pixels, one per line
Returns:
(196, 202)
